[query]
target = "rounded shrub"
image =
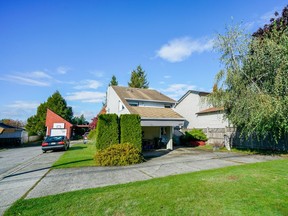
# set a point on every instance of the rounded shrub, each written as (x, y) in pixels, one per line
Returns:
(118, 155)
(195, 134)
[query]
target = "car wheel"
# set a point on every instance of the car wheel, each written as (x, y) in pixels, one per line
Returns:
(44, 151)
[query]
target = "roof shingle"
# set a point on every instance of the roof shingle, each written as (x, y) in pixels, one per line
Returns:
(141, 94)
(151, 112)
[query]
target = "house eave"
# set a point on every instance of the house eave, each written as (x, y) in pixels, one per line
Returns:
(145, 100)
(163, 119)
(162, 122)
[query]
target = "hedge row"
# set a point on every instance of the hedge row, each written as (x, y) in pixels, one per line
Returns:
(130, 130)
(107, 131)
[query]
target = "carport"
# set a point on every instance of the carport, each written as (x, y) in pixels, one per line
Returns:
(159, 130)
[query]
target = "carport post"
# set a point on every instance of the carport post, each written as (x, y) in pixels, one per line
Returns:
(170, 142)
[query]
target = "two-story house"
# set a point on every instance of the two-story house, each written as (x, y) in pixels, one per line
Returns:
(198, 113)
(158, 119)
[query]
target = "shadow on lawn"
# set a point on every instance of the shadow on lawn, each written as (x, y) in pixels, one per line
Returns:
(72, 148)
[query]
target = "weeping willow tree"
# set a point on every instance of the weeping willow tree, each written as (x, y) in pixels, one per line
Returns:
(253, 84)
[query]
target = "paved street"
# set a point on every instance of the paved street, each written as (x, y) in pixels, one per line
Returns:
(20, 169)
(11, 158)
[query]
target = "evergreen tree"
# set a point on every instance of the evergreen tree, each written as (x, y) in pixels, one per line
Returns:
(113, 81)
(138, 79)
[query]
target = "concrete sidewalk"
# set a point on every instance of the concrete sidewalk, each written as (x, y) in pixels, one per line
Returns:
(182, 160)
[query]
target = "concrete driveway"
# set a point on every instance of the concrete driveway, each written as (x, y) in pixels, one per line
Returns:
(181, 160)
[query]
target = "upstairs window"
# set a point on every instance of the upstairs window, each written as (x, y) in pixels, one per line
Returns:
(133, 103)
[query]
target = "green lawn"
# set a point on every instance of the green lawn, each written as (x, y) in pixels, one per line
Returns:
(254, 189)
(79, 155)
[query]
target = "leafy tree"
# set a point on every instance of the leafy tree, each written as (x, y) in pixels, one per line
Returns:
(93, 123)
(138, 79)
(36, 124)
(113, 81)
(58, 104)
(253, 83)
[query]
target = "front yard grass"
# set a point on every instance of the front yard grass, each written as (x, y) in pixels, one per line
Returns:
(253, 189)
(79, 155)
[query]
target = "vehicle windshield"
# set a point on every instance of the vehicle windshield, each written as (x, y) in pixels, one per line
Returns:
(54, 138)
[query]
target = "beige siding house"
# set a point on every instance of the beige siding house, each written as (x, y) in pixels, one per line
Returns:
(193, 106)
(158, 119)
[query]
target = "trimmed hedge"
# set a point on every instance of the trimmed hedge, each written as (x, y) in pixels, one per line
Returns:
(118, 155)
(130, 130)
(107, 131)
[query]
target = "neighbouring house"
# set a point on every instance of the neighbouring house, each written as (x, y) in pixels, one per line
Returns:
(10, 135)
(56, 125)
(193, 106)
(158, 119)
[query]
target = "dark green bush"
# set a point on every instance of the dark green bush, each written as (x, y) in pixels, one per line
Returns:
(130, 130)
(118, 155)
(195, 134)
(107, 131)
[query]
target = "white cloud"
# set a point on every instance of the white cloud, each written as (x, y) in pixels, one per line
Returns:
(63, 69)
(23, 105)
(176, 91)
(34, 78)
(86, 96)
(98, 74)
(88, 84)
(89, 115)
(38, 74)
(25, 80)
(180, 49)
(19, 110)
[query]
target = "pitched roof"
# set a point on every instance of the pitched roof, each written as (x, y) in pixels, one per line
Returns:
(200, 93)
(141, 94)
(51, 117)
(155, 113)
(211, 110)
(126, 93)
(2, 125)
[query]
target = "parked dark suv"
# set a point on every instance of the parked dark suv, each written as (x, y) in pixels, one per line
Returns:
(55, 143)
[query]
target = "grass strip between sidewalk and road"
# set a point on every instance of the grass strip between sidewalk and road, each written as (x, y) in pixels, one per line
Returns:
(252, 189)
(78, 155)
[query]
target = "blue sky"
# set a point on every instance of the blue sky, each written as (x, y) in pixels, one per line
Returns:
(76, 46)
